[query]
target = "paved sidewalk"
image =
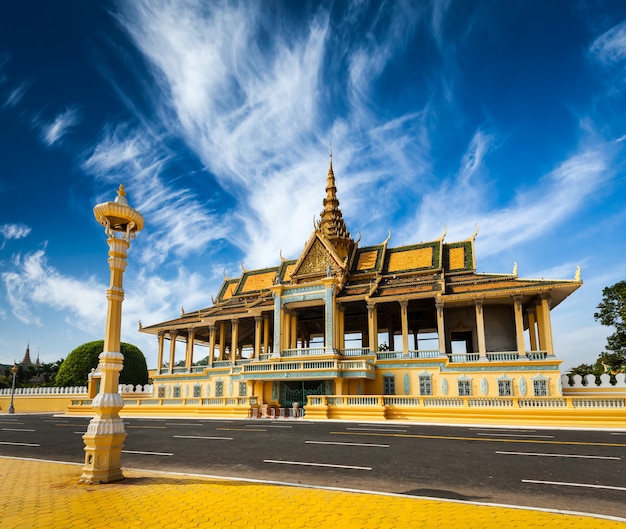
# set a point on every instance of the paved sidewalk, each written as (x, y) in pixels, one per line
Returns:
(36, 494)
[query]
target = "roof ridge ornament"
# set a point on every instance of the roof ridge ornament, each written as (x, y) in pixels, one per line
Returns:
(577, 275)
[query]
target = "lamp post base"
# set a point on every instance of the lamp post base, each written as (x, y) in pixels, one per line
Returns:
(103, 458)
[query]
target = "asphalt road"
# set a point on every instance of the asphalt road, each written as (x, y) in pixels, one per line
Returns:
(575, 470)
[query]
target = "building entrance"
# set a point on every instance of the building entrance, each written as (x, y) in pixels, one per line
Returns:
(298, 390)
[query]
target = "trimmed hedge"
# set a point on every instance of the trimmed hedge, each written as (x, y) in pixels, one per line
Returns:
(75, 369)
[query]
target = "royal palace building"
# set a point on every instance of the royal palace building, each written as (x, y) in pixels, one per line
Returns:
(370, 322)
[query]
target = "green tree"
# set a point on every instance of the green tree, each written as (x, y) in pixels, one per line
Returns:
(582, 370)
(612, 313)
(76, 367)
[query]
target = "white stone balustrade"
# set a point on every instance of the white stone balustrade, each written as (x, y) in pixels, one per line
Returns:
(589, 381)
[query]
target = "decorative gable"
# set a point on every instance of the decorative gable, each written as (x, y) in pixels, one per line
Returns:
(316, 261)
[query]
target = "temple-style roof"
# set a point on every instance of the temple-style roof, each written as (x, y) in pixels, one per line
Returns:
(435, 269)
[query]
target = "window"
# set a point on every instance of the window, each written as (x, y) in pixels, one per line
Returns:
(541, 387)
(505, 388)
(161, 392)
(465, 388)
(176, 392)
(196, 391)
(243, 389)
(389, 385)
(426, 387)
(219, 388)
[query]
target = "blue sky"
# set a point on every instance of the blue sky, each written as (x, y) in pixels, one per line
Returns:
(217, 117)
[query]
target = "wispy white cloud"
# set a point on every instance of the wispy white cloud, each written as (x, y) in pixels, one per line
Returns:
(34, 287)
(610, 47)
(13, 231)
(16, 95)
(177, 221)
(255, 114)
(532, 212)
(34, 281)
(53, 132)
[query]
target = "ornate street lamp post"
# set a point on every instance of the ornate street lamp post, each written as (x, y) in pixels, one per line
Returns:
(13, 372)
(105, 435)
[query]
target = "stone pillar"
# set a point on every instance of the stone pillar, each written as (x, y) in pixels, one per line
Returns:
(532, 328)
(211, 343)
(541, 329)
(161, 339)
(341, 332)
(222, 340)
(480, 329)
(172, 350)
(258, 320)
(372, 326)
(266, 334)
(293, 333)
(404, 316)
(234, 344)
(191, 336)
(519, 325)
(547, 324)
(441, 329)
(286, 330)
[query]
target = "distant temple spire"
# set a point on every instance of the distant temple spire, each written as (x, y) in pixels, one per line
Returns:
(27, 361)
(332, 224)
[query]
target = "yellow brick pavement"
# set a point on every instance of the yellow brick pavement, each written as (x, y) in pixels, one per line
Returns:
(37, 495)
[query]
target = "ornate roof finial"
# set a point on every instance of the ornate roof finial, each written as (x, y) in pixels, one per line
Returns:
(577, 275)
(332, 224)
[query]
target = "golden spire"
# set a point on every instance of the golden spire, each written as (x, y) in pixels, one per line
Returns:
(332, 224)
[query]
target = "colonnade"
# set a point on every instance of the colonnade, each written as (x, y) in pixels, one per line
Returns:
(538, 319)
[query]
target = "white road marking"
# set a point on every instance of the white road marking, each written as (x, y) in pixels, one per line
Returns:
(344, 444)
(503, 429)
(203, 437)
(584, 485)
(182, 423)
(515, 435)
(618, 433)
(303, 463)
(17, 430)
(148, 453)
(557, 455)
(376, 430)
(81, 433)
(18, 444)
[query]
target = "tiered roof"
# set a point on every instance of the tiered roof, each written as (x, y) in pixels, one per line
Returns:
(428, 269)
